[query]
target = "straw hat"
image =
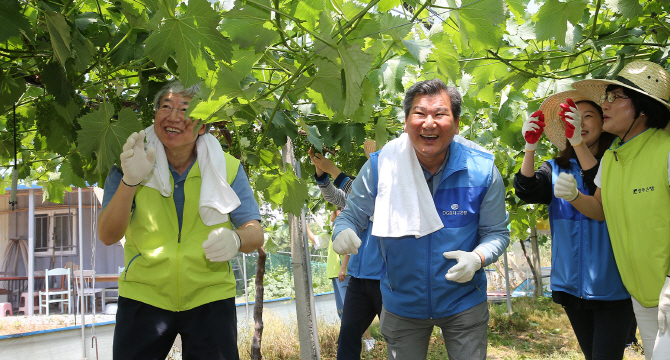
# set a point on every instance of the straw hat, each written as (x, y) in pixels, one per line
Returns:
(555, 127)
(644, 77)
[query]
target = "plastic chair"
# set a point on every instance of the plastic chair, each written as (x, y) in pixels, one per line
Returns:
(5, 294)
(23, 300)
(114, 297)
(5, 307)
(86, 289)
(50, 295)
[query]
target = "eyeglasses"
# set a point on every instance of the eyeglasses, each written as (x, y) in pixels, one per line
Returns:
(611, 97)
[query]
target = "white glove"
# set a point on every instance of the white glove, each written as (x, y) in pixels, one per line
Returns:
(135, 163)
(468, 264)
(573, 122)
(346, 242)
(566, 187)
(532, 130)
(221, 245)
(664, 307)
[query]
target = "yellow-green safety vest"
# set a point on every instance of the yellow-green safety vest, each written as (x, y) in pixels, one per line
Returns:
(636, 202)
(167, 268)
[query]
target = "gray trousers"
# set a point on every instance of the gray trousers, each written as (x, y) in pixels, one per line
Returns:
(464, 334)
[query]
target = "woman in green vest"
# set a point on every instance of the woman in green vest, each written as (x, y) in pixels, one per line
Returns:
(185, 209)
(633, 192)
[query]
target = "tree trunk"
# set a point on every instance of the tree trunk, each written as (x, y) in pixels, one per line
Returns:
(530, 264)
(256, 342)
(302, 276)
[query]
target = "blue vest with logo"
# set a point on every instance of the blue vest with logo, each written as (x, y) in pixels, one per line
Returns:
(367, 264)
(414, 283)
(582, 260)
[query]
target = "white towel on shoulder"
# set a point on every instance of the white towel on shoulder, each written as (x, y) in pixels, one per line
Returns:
(217, 198)
(404, 205)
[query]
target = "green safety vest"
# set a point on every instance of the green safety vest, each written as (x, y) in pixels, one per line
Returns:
(636, 202)
(333, 263)
(168, 269)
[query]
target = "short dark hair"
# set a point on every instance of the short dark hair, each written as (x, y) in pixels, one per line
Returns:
(432, 87)
(658, 114)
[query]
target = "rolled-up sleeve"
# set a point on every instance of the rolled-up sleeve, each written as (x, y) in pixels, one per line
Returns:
(360, 203)
(493, 219)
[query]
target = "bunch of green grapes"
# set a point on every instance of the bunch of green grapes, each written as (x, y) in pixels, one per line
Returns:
(117, 102)
(147, 115)
(44, 112)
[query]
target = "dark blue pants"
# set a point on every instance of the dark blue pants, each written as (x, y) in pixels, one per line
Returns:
(145, 332)
(362, 303)
(601, 332)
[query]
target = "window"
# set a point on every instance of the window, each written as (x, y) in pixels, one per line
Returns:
(55, 233)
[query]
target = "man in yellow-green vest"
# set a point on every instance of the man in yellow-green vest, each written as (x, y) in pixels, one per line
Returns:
(185, 209)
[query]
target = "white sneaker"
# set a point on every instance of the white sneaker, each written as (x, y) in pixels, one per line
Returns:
(369, 344)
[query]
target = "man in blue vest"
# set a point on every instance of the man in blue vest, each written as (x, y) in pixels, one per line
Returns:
(436, 202)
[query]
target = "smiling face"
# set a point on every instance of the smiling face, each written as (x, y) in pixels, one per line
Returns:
(431, 127)
(592, 122)
(176, 133)
(619, 115)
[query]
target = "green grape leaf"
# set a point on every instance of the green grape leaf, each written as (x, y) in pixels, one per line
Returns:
(284, 189)
(270, 157)
(627, 8)
(246, 19)
(68, 112)
(387, 5)
(59, 32)
(309, 11)
(281, 128)
(369, 100)
(328, 84)
(394, 26)
(133, 11)
(485, 72)
(52, 190)
(480, 23)
(187, 36)
(356, 65)
(270, 246)
(313, 135)
(129, 50)
(152, 5)
(56, 83)
(420, 49)
(106, 138)
(84, 20)
(82, 50)
(11, 89)
(392, 72)
(381, 135)
(518, 7)
(77, 164)
(226, 85)
(58, 134)
(12, 21)
(68, 176)
(345, 134)
(553, 16)
(446, 57)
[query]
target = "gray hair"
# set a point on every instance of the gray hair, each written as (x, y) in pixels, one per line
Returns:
(175, 86)
(432, 87)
